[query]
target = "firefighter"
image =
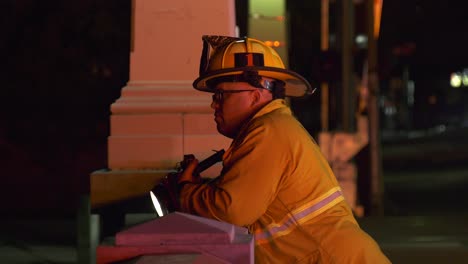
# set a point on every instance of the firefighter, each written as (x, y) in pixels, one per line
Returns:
(274, 181)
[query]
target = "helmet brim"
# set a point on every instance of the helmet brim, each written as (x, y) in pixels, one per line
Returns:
(295, 84)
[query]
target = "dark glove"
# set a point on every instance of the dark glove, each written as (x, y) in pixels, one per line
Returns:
(169, 188)
(188, 174)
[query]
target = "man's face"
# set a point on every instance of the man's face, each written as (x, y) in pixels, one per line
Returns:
(234, 104)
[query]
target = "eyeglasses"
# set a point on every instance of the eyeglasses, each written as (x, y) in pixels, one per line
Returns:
(218, 95)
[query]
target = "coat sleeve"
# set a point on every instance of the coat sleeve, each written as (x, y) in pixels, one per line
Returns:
(248, 183)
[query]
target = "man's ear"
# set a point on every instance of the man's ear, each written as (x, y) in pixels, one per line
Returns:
(256, 97)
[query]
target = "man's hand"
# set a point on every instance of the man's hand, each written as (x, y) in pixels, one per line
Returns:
(186, 176)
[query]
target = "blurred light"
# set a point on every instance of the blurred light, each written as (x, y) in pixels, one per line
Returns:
(377, 16)
(455, 79)
(465, 80)
(432, 99)
(361, 40)
(280, 18)
(465, 77)
(390, 110)
(260, 16)
(274, 43)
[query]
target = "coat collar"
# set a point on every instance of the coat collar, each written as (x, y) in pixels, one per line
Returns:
(271, 106)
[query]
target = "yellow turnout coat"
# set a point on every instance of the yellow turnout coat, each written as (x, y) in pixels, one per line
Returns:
(276, 183)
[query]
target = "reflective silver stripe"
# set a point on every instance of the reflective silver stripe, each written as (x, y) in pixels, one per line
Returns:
(331, 198)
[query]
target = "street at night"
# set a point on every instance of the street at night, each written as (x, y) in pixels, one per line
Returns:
(426, 203)
(427, 175)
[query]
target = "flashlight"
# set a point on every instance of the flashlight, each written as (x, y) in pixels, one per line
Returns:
(165, 195)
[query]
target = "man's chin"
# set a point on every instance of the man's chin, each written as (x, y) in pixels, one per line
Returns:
(223, 132)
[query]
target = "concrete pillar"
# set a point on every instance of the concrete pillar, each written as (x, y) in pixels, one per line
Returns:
(159, 116)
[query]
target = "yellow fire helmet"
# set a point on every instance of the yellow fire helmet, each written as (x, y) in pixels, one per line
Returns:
(224, 56)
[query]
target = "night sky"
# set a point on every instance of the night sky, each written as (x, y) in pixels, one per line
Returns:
(65, 62)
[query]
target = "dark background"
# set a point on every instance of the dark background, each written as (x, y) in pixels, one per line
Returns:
(65, 62)
(426, 38)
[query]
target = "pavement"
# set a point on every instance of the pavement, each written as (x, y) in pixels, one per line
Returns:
(421, 239)
(38, 241)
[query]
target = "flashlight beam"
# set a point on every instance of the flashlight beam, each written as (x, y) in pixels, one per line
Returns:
(156, 204)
